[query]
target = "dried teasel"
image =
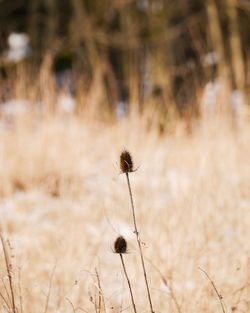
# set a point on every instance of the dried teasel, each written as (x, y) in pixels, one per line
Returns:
(126, 162)
(120, 245)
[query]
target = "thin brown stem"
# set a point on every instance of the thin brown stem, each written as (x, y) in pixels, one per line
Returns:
(129, 285)
(71, 304)
(139, 243)
(8, 268)
(101, 296)
(216, 290)
(168, 285)
(99, 292)
(5, 301)
(6, 290)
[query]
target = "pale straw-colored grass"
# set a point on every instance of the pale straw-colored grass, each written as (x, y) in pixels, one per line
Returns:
(63, 204)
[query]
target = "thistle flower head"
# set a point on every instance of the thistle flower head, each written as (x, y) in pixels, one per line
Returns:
(120, 245)
(126, 162)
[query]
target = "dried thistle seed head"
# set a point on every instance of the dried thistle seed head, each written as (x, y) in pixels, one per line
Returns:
(126, 162)
(120, 245)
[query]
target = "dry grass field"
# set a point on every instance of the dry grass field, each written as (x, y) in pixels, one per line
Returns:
(64, 202)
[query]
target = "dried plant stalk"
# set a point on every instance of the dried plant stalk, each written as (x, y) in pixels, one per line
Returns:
(120, 247)
(9, 272)
(126, 165)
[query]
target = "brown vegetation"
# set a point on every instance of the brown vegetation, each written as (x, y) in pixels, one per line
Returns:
(181, 70)
(63, 202)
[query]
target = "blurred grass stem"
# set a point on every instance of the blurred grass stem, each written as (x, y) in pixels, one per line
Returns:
(9, 271)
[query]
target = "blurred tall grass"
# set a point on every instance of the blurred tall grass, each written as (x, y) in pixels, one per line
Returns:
(160, 59)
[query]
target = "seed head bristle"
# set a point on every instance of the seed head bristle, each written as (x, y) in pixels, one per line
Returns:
(126, 162)
(120, 245)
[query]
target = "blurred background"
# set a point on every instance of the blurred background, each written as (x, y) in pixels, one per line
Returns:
(109, 59)
(80, 80)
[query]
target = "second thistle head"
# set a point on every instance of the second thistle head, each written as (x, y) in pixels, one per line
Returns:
(120, 245)
(126, 162)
